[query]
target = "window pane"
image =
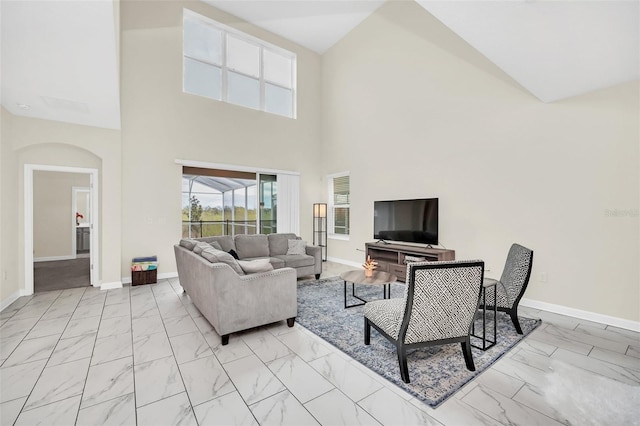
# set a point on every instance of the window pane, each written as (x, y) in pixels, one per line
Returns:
(278, 100)
(341, 190)
(243, 90)
(277, 68)
(202, 41)
(341, 220)
(202, 79)
(228, 204)
(243, 57)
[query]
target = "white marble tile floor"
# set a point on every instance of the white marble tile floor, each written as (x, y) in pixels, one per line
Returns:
(144, 355)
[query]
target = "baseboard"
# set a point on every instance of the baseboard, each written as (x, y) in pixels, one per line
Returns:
(12, 298)
(9, 300)
(550, 307)
(54, 258)
(345, 262)
(111, 285)
(585, 315)
(163, 276)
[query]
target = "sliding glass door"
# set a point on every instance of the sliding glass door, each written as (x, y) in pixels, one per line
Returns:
(225, 202)
(268, 203)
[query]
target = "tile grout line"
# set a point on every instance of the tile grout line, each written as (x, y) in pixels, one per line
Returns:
(90, 357)
(47, 360)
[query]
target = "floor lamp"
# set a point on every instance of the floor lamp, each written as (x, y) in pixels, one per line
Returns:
(320, 228)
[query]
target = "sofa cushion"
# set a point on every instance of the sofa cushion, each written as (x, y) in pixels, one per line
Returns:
(297, 260)
(255, 266)
(252, 246)
(197, 249)
(216, 245)
(225, 241)
(188, 243)
(275, 261)
(297, 247)
(214, 256)
(278, 243)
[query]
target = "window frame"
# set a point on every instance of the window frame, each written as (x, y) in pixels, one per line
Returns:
(225, 70)
(331, 206)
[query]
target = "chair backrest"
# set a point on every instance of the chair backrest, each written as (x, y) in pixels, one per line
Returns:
(516, 272)
(441, 299)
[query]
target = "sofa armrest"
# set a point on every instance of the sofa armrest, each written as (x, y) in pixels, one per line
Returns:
(316, 252)
(250, 300)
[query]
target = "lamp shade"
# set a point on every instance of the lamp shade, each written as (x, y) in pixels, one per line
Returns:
(320, 210)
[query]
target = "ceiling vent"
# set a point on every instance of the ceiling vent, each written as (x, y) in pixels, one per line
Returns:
(66, 104)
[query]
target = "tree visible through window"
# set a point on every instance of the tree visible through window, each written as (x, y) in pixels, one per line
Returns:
(218, 205)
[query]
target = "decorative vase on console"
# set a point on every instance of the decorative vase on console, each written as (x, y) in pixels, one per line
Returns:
(369, 266)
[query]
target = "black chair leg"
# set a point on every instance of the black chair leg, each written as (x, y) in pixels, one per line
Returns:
(291, 321)
(514, 318)
(367, 332)
(225, 339)
(402, 362)
(468, 357)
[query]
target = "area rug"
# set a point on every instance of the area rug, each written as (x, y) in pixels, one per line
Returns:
(436, 372)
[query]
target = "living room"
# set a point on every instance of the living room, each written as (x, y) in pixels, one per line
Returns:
(449, 124)
(409, 110)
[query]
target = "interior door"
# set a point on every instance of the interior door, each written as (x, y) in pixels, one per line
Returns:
(268, 193)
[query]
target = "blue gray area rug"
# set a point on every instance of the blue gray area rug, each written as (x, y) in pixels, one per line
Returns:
(436, 372)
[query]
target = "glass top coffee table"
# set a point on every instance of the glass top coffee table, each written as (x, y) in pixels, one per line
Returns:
(357, 277)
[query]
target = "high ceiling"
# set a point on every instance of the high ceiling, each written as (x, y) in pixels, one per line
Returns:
(59, 59)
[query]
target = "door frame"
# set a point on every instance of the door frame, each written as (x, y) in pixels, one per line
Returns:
(94, 245)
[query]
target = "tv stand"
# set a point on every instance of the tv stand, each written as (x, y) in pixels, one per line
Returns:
(393, 258)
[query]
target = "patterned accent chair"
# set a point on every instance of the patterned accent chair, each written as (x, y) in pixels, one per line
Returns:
(513, 282)
(438, 307)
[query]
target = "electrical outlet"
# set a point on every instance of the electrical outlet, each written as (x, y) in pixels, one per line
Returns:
(4, 275)
(544, 277)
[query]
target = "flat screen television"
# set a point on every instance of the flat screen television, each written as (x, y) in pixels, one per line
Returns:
(412, 221)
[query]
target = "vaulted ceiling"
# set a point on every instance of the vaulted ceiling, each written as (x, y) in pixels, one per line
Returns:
(60, 59)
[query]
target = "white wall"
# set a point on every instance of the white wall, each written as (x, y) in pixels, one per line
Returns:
(9, 257)
(35, 141)
(161, 124)
(412, 111)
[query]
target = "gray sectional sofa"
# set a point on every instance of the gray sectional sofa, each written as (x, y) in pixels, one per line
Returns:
(260, 287)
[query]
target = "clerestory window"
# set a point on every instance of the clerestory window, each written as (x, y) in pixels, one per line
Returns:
(228, 65)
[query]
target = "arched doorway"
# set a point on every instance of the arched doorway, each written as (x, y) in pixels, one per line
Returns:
(29, 171)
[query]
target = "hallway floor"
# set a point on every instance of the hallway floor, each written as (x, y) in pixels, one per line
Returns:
(61, 274)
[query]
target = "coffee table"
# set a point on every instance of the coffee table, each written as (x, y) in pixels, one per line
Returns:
(357, 277)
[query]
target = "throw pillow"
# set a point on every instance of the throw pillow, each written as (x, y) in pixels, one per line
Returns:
(297, 247)
(233, 253)
(214, 255)
(255, 266)
(197, 249)
(216, 245)
(188, 243)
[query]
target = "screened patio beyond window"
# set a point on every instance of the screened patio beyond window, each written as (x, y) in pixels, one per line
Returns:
(217, 205)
